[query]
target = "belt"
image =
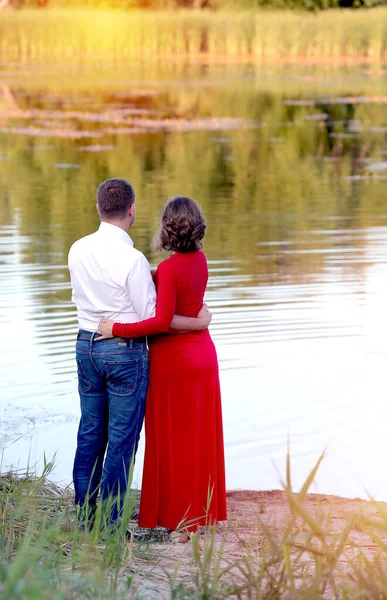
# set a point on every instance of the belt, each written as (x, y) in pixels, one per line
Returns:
(85, 336)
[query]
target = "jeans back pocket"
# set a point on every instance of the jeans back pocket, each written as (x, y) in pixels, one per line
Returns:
(122, 375)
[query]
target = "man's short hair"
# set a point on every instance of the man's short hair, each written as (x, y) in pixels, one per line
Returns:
(114, 197)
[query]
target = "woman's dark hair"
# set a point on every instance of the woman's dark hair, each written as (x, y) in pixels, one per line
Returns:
(114, 197)
(182, 226)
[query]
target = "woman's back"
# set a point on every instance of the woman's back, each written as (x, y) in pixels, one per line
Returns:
(191, 274)
(184, 459)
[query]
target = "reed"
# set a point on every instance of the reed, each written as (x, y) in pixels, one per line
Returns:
(84, 36)
(305, 559)
(43, 555)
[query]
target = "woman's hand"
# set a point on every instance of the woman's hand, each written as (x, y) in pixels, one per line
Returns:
(105, 329)
(205, 316)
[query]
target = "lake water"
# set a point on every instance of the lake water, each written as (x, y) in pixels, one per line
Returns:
(290, 168)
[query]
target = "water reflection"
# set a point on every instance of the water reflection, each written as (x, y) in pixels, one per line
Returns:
(293, 194)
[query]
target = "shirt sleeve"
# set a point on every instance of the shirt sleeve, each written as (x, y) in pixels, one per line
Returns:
(165, 307)
(69, 261)
(140, 288)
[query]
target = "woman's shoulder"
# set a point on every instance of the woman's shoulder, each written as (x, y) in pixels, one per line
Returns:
(168, 264)
(186, 262)
(182, 259)
(198, 255)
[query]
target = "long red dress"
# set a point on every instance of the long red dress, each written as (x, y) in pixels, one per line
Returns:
(184, 477)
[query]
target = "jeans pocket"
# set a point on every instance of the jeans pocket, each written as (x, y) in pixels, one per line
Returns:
(122, 376)
(84, 382)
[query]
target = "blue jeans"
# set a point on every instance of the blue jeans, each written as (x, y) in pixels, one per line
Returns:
(112, 383)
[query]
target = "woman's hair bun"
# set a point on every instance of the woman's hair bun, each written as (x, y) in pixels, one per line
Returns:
(182, 226)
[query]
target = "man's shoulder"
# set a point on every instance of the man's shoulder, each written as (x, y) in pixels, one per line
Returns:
(125, 249)
(81, 243)
(84, 240)
(107, 251)
(137, 254)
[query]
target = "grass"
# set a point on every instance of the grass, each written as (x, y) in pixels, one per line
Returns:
(42, 552)
(84, 36)
(43, 555)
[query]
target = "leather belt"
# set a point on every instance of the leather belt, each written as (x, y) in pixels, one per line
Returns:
(85, 336)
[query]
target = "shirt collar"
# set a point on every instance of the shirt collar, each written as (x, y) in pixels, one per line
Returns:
(114, 231)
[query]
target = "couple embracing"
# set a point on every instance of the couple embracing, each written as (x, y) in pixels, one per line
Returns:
(175, 381)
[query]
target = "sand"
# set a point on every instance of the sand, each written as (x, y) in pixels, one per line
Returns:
(154, 565)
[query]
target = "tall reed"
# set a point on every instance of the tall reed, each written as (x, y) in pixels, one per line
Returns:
(44, 556)
(81, 36)
(306, 559)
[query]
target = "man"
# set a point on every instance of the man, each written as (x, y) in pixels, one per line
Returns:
(110, 278)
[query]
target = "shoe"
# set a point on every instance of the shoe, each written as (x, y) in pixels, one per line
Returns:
(158, 534)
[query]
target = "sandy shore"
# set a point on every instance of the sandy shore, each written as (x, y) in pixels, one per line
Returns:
(156, 564)
(274, 544)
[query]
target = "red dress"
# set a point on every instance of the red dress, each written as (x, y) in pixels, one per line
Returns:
(183, 478)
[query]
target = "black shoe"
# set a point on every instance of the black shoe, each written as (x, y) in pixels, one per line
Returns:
(156, 535)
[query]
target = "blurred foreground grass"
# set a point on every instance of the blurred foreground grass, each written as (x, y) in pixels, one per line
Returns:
(81, 36)
(43, 555)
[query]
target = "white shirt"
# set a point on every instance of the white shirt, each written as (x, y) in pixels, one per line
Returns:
(110, 278)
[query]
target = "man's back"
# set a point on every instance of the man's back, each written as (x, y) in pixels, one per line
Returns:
(110, 278)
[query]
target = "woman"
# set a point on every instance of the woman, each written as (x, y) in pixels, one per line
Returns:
(183, 482)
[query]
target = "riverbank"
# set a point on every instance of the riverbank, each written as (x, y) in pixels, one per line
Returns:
(272, 548)
(274, 544)
(263, 37)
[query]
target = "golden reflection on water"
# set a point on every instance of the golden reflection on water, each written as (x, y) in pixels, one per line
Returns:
(292, 184)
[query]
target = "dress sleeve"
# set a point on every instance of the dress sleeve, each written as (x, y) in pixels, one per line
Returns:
(165, 307)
